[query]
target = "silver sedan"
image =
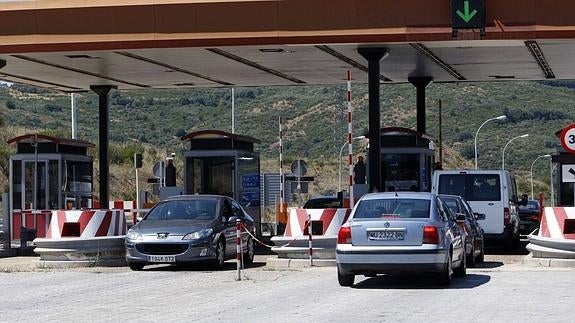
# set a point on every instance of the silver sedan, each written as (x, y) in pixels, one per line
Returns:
(399, 232)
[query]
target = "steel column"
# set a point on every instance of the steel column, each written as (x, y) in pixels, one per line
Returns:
(104, 119)
(373, 56)
(420, 83)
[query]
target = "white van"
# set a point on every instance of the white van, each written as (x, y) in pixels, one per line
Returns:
(491, 192)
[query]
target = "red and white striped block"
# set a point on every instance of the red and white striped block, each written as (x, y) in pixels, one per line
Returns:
(555, 221)
(127, 206)
(332, 220)
(93, 223)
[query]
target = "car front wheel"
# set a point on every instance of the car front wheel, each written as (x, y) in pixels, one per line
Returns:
(219, 261)
(136, 266)
(250, 253)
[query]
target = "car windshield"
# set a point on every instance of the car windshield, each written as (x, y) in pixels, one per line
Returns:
(322, 203)
(196, 209)
(393, 208)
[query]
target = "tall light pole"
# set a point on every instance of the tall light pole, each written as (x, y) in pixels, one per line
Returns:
(503, 117)
(503, 153)
(552, 192)
(533, 163)
(340, 153)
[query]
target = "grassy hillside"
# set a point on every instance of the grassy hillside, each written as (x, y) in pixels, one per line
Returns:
(315, 117)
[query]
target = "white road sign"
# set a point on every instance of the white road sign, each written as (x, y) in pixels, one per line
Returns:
(568, 173)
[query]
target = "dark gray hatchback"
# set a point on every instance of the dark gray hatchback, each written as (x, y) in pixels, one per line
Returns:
(188, 229)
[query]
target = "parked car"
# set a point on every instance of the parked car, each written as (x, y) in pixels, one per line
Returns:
(529, 216)
(397, 232)
(474, 245)
(490, 192)
(323, 202)
(187, 229)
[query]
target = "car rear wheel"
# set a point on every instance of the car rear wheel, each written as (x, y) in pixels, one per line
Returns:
(445, 275)
(249, 254)
(481, 256)
(461, 271)
(220, 254)
(471, 258)
(345, 280)
(136, 266)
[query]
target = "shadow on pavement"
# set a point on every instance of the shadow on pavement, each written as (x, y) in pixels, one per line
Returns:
(488, 265)
(421, 282)
(494, 249)
(201, 267)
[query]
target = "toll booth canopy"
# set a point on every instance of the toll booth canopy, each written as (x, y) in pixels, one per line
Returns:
(225, 164)
(50, 173)
(407, 159)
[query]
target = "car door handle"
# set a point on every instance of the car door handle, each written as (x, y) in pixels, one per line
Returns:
(490, 204)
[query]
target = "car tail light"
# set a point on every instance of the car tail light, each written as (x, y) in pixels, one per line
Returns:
(506, 216)
(430, 235)
(344, 235)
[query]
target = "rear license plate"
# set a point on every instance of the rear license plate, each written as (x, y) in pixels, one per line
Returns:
(387, 235)
(162, 258)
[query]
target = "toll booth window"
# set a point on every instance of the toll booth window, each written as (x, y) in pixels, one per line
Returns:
(53, 185)
(17, 184)
(35, 189)
(78, 177)
(402, 171)
(210, 175)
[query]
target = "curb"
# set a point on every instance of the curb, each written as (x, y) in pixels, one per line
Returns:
(529, 260)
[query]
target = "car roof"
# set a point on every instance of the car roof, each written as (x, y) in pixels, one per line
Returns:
(389, 195)
(195, 197)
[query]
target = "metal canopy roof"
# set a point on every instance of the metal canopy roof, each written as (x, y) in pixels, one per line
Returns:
(138, 44)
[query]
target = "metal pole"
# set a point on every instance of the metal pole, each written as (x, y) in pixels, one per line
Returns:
(137, 213)
(73, 108)
(281, 166)
(35, 193)
(552, 192)
(477, 133)
(239, 249)
(233, 112)
(531, 170)
(441, 137)
(310, 244)
(349, 139)
(503, 153)
(339, 177)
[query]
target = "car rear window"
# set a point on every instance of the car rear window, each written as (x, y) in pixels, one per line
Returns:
(393, 208)
(321, 203)
(472, 187)
(183, 210)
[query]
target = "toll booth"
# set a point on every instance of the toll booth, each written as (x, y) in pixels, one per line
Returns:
(47, 173)
(223, 163)
(407, 159)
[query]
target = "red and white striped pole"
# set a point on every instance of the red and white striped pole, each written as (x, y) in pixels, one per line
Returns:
(281, 167)
(310, 244)
(350, 139)
(239, 248)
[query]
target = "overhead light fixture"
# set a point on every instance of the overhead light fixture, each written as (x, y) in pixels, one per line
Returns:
(502, 76)
(184, 84)
(272, 50)
(82, 56)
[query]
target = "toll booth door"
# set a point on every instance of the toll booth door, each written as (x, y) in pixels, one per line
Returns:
(210, 175)
(39, 169)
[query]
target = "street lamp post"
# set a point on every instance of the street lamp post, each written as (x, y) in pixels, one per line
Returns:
(503, 117)
(552, 192)
(533, 163)
(340, 153)
(503, 153)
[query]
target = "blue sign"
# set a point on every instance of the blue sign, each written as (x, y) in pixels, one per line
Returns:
(250, 181)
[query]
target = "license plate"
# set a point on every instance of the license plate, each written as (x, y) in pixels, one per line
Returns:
(387, 235)
(162, 258)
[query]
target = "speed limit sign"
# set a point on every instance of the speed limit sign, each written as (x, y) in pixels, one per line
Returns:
(568, 138)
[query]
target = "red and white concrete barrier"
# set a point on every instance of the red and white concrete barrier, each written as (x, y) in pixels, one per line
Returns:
(331, 220)
(92, 223)
(558, 222)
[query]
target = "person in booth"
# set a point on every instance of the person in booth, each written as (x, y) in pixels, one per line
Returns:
(359, 171)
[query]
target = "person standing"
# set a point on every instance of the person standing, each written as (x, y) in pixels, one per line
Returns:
(359, 171)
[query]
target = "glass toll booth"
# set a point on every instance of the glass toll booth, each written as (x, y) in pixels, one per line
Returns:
(225, 164)
(50, 173)
(407, 159)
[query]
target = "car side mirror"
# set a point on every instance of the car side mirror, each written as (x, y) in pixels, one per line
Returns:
(479, 216)
(460, 217)
(523, 200)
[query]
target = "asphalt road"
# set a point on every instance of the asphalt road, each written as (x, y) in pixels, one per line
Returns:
(500, 290)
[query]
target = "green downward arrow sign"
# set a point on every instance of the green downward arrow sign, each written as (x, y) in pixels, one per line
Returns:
(466, 15)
